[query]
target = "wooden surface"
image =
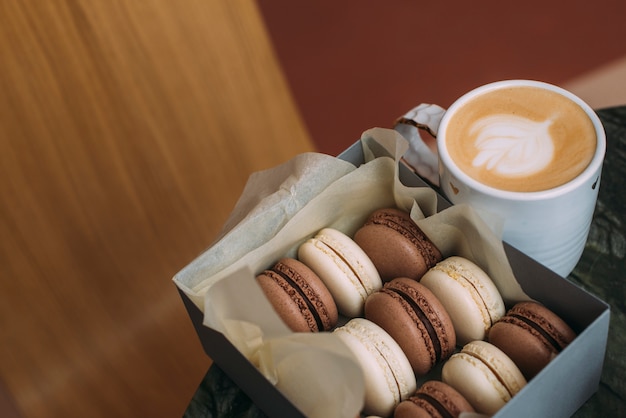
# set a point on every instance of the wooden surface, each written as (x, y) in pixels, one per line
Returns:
(127, 132)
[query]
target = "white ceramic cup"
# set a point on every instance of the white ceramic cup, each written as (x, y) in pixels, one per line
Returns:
(551, 225)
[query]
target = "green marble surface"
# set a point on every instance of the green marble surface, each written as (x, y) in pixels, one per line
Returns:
(601, 271)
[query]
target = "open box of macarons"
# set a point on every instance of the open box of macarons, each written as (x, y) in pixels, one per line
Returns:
(348, 286)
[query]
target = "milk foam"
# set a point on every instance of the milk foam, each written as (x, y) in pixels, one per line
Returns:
(520, 138)
(512, 145)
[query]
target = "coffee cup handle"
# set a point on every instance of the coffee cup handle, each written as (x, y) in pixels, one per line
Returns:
(420, 157)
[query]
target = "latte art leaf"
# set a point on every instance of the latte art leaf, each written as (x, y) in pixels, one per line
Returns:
(512, 145)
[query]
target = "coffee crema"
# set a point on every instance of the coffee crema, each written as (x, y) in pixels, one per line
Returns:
(521, 139)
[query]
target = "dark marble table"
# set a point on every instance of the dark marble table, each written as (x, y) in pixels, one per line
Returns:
(601, 271)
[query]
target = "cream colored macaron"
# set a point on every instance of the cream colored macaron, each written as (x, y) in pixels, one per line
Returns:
(484, 375)
(343, 266)
(387, 373)
(469, 295)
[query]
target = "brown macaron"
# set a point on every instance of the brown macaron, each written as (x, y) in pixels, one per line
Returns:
(396, 245)
(531, 335)
(299, 296)
(416, 319)
(434, 399)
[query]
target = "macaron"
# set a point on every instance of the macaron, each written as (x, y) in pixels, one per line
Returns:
(484, 375)
(299, 296)
(347, 271)
(416, 319)
(387, 373)
(531, 335)
(434, 399)
(396, 245)
(469, 295)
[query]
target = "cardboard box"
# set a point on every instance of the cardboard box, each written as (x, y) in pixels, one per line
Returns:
(557, 391)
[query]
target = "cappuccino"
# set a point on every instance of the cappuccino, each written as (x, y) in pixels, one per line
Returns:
(521, 139)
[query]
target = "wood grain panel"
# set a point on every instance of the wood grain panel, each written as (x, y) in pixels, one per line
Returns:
(127, 132)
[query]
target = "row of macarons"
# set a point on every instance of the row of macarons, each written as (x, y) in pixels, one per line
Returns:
(393, 281)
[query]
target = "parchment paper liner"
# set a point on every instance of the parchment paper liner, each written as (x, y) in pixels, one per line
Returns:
(282, 207)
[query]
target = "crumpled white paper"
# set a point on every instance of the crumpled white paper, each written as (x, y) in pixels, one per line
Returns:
(282, 207)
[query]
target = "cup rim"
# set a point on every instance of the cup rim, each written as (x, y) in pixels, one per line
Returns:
(591, 169)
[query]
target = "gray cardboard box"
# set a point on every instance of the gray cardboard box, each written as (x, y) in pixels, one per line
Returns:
(557, 391)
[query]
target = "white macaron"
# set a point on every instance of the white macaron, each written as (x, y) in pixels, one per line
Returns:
(484, 375)
(469, 295)
(343, 266)
(388, 375)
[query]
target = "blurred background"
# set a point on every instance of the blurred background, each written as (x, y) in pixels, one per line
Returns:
(128, 130)
(352, 65)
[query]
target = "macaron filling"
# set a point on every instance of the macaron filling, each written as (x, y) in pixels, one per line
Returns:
(493, 371)
(427, 402)
(387, 372)
(346, 267)
(512, 317)
(459, 274)
(394, 382)
(407, 228)
(500, 365)
(422, 318)
(373, 345)
(296, 285)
